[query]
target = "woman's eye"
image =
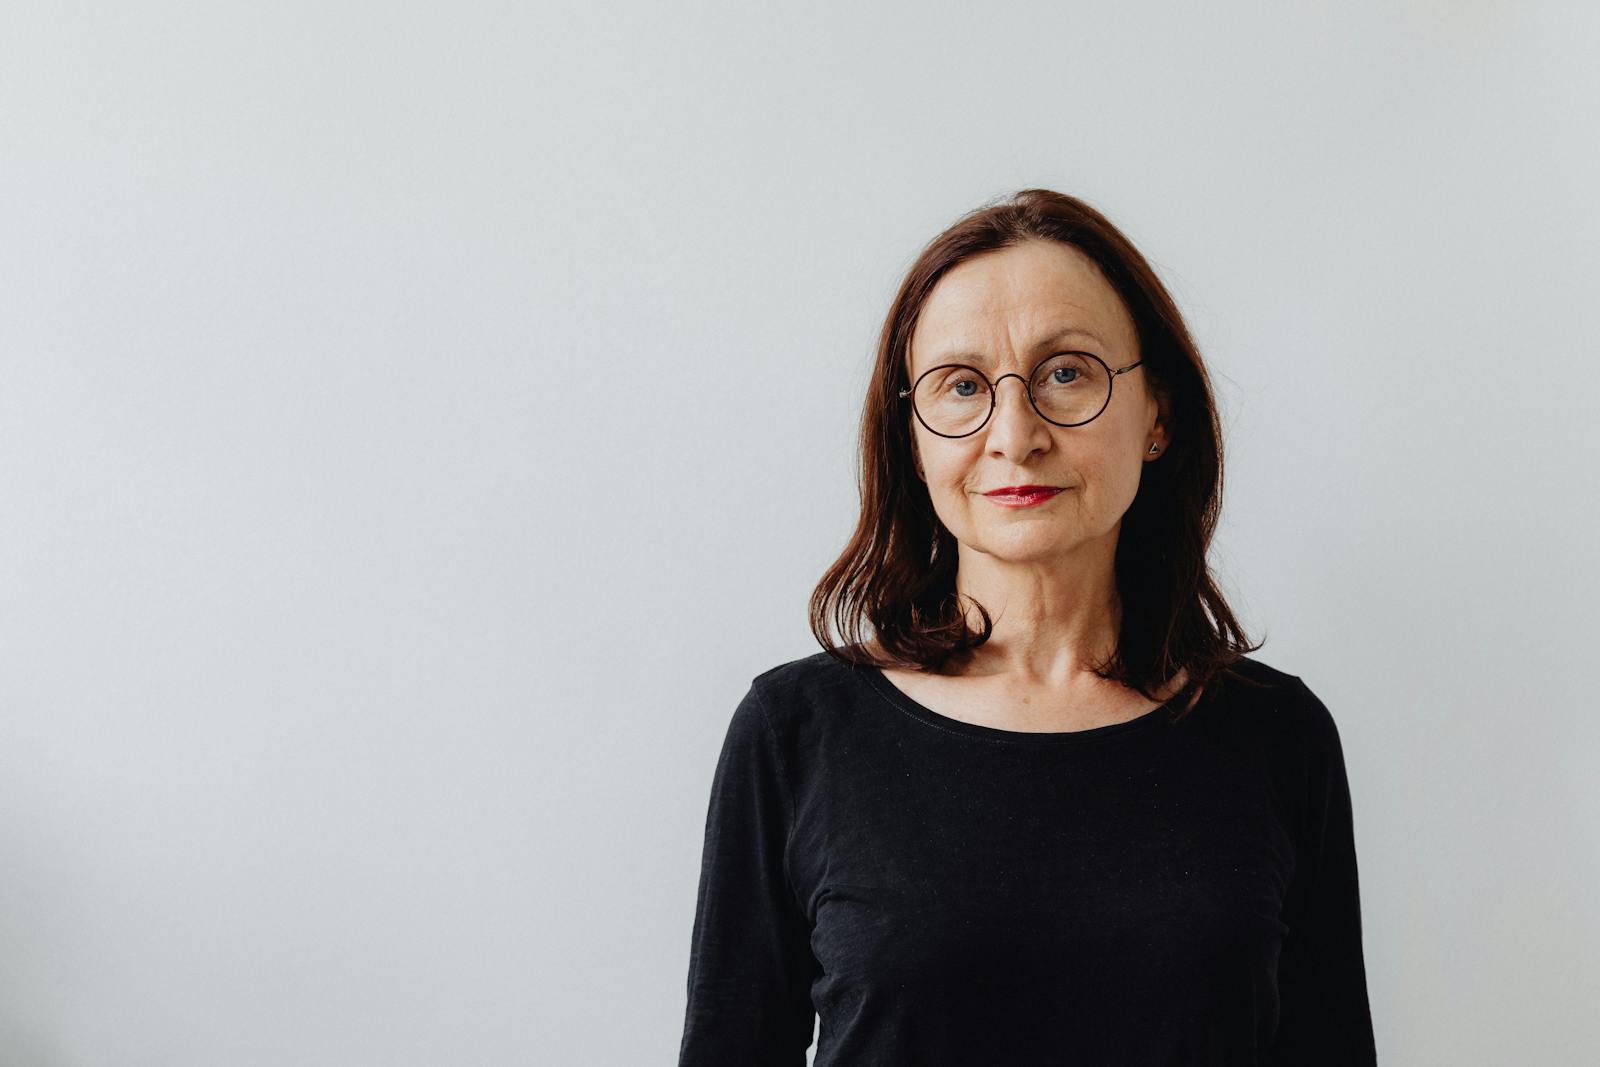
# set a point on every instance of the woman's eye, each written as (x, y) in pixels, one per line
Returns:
(1059, 374)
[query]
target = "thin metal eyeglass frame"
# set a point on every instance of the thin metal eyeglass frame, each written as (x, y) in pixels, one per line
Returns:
(1027, 386)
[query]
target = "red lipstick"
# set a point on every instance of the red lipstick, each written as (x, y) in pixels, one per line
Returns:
(1022, 496)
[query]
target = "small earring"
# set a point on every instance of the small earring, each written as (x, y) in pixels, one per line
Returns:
(1154, 450)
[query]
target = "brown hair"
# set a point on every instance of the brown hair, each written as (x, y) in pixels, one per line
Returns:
(898, 571)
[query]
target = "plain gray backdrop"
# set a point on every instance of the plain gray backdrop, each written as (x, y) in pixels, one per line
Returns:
(420, 421)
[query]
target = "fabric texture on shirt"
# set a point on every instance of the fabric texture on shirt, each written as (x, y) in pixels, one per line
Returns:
(1158, 891)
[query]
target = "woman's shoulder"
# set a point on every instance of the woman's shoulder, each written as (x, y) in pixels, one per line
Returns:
(1271, 704)
(803, 681)
(806, 698)
(798, 706)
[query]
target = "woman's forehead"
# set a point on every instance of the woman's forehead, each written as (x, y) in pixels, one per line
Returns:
(1028, 297)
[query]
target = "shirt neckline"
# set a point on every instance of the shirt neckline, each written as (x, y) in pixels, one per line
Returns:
(902, 701)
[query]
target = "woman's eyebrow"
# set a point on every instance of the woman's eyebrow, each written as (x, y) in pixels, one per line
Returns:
(1070, 331)
(958, 356)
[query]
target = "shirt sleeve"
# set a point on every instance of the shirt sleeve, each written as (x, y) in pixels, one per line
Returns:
(750, 962)
(1324, 1016)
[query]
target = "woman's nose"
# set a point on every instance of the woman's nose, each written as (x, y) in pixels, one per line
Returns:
(1014, 418)
(1013, 402)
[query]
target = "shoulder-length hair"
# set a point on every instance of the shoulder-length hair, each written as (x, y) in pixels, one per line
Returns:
(898, 571)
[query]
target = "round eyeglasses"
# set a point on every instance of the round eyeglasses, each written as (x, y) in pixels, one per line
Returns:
(1066, 389)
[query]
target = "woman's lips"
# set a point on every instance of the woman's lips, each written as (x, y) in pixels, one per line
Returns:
(1025, 499)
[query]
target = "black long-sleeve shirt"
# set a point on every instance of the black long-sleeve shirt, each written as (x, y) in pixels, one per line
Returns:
(940, 892)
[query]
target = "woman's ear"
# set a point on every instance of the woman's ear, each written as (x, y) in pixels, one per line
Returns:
(1161, 432)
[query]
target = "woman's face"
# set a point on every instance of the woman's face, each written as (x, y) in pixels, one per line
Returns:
(1003, 312)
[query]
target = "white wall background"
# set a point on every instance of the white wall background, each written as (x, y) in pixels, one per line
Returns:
(419, 421)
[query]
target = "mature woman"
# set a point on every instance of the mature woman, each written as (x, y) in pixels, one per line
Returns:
(1050, 811)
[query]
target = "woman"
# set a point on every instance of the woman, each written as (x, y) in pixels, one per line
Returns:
(1050, 811)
